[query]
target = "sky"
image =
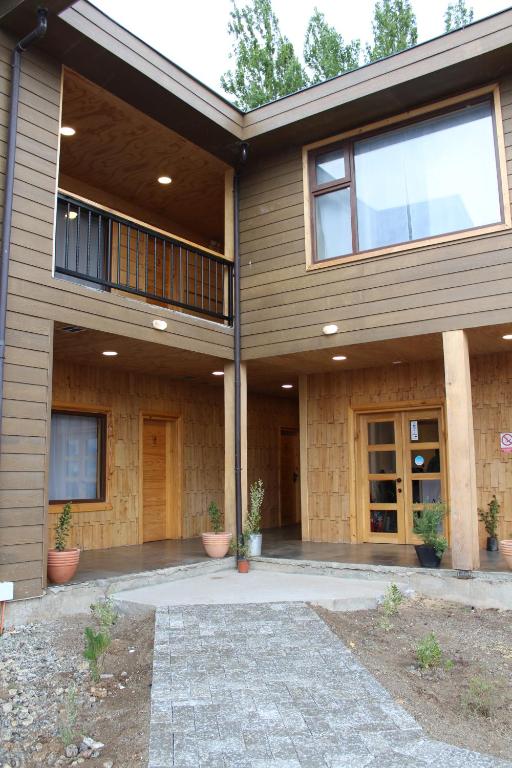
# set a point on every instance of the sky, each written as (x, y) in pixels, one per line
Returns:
(193, 34)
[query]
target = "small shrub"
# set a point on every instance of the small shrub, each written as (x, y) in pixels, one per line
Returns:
(390, 604)
(215, 516)
(256, 493)
(490, 517)
(427, 525)
(63, 527)
(428, 652)
(240, 546)
(480, 697)
(69, 715)
(105, 613)
(96, 646)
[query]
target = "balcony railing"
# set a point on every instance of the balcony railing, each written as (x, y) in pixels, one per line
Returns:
(98, 248)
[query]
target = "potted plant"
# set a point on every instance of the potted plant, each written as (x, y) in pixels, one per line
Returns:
(216, 542)
(489, 518)
(241, 548)
(506, 551)
(253, 526)
(427, 525)
(62, 562)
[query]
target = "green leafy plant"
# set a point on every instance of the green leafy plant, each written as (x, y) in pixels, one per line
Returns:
(457, 15)
(490, 517)
(427, 524)
(63, 527)
(215, 516)
(105, 613)
(240, 546)
(69, 716)
(390, 604)
(428, 652)
(480, 697)
(256, 495)
(96, 646)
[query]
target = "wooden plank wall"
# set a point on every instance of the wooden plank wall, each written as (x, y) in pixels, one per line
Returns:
(330, 397)
(463, 284)
(28, 335)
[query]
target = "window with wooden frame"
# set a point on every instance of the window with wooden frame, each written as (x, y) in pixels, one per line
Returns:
(77, 457)
(436, 176)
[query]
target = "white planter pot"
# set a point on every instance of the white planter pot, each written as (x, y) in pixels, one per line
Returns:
(255, 544)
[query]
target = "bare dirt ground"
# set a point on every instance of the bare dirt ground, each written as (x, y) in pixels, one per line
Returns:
(40, 664)
(478, 642)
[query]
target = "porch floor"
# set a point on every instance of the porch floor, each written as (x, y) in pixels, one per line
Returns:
(278, 542)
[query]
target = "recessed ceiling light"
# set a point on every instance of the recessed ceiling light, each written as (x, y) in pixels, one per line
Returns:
(330, 329)
(508, 337)
(109, 353)
(164, 179)
(66, 130)
(339, 357)
(287, 386)
(217, 373)
(71, 216)
(159, 325)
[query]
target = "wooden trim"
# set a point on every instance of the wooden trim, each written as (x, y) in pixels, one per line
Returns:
(56, 507)
(303, 449)
(44, 577)
(309, 151)
(144, 224)
(408, 405)
(354, 446)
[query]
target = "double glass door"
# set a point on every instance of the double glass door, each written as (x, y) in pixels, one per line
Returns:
(401, 469)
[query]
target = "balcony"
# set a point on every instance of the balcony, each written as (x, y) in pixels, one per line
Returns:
(102, 249)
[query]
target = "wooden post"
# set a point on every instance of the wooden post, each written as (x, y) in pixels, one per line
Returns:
(229, 444)
(304, 487)
(461, 453)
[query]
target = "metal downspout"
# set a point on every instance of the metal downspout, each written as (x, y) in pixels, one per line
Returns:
(36, 34)
(238, 343)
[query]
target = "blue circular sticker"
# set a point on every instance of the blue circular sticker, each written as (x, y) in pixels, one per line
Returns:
(419, 461)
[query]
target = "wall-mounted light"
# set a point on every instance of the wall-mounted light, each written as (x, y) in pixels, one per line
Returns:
(330, 329)
(339, 357)
(164, 180)
(109, 353)
(159, 325)
(67, 130)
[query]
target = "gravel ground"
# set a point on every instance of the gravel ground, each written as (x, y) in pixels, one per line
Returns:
(44, 679)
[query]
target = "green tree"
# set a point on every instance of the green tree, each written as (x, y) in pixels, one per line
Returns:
(266, 66)
(394, 28)
(325, 52)
(457, 15)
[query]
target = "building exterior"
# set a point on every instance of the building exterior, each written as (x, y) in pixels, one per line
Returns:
(375, 206)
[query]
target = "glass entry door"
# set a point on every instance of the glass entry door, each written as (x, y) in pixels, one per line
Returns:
(401, 469)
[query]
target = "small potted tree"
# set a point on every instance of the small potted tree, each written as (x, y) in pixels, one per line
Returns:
(241, 548)
(427, 525)
(216, 542)
(62, 562)
(253, 527)
(490, 517)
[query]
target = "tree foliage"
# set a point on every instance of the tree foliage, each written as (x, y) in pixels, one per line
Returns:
(325, 52)
(457, 15)
(394, 28)
(266, 66)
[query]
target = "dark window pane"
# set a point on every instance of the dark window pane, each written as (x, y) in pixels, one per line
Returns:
(333, 224)
(382, 462)
(330, 166)
(75, 457)
(383, 521)
(381, 432)
(432, 177)
(382, 491)
(427, 460)
(426, 491)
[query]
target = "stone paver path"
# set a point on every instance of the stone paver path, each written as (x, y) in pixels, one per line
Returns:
(270, 686)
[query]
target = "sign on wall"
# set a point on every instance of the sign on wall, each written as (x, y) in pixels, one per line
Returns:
(506, 442)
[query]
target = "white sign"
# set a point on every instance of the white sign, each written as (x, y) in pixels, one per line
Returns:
(506, 442)
(414, 431)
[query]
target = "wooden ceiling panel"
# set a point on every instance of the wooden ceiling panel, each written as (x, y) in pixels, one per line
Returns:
(122, 151)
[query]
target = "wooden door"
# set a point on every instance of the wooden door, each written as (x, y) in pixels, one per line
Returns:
(289, 477)
(160, 485)
(400, 468)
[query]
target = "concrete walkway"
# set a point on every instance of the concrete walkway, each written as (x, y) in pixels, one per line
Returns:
(270, 686)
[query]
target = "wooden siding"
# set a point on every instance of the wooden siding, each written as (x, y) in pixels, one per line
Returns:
(329, 454)
(465, 283)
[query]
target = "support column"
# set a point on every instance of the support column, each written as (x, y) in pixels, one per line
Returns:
(461, 453)
(229, 444)
(304, 487)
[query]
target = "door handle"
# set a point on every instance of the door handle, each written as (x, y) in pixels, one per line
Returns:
(399, 479)
(399, 490)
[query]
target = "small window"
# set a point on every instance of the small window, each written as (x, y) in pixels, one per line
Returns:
(434, 176)
(77, 457)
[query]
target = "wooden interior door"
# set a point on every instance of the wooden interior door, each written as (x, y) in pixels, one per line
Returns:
(289, 477)
(160, 485)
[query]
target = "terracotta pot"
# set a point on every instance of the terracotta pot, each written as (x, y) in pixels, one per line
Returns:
(506, 551)
(243, 566)
(62, 565)
(216, 544)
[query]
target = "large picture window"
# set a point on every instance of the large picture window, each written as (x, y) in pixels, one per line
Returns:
(431, 177)
(77, 457)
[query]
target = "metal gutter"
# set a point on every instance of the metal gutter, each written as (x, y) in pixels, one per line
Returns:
(38, 32)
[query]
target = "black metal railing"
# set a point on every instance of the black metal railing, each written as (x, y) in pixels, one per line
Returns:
(97, 248)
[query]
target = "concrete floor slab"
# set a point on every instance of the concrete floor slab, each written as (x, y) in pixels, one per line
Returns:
(260, 586)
